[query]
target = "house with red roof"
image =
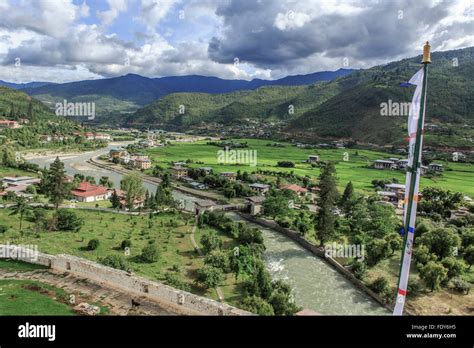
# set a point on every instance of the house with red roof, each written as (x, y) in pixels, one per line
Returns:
(301, 191)
(86, 192)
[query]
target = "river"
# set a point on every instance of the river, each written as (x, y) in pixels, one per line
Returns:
(316, 285)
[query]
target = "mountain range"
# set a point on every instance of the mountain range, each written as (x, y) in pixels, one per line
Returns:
(341, 104)
(128, 93)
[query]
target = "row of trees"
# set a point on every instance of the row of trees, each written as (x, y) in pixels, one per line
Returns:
(262, 295)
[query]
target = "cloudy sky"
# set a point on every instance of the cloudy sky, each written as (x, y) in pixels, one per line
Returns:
(68, 40)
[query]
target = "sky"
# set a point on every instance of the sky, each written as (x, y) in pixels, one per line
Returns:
(71, 40)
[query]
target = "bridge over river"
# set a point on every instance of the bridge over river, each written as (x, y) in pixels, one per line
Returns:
(317, 286)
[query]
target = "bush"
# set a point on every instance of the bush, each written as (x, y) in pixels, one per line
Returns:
(172, 279)
(67, 220)
(381, 287)
(210, 276)
(149, 254)
(461, 286)
(257, 305)
(115, 261)
(127, 243)
(93, 244)
(3, 229)
(210, 241)
(286, 164)
(359, 268)
(218, 259)
(454, 266)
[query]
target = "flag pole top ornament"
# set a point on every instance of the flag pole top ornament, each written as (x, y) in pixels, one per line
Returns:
(426, 53)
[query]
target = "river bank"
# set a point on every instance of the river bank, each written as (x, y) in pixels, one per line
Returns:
(317, 285)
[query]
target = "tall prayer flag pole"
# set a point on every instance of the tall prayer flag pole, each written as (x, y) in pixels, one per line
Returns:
(416, 121)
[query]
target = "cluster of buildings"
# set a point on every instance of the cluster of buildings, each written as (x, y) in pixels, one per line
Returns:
(9, 124)
(138, 161)
(87, 192)
(402, 164)
(18, 185)
(93, 136)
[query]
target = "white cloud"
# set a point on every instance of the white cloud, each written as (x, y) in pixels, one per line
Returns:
(115, 8)
(153, 11)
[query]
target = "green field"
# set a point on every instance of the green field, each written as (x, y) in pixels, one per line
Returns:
(27, 297)
(170, 232)
(456, 176)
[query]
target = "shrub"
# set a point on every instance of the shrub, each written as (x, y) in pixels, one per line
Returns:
(127, 243)
(359, 268)
(172, 279)
(210, 241)
(257, 305)
(149, 254)
(461, 286)
(93, 244)
(68, 221)
(210, 276)
(381, 287)
(218, 259)
(3, 229)
(115, 261)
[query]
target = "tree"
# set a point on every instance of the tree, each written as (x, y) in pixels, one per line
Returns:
(454, 266)
(56, 188)
(126, 243)
(377, 250)
(93, 244)
(249, 235)
(260, 283)
(381, 287)
(382, 220)
(115, 261)
(115, 200)
(165, 181)
(257, 305)
(149, 254)
(433, 274)
(8, 157)
(325, 226)
(276, 204)
(281, 299)
(21, 208)
(441, 242)
(67, 220)
(133, 186)
(218, 259)
(439, 201)
(359, 269)
(469, 255)
(348, 193)
(106, 182)
(210, 276)
(210, 241)
(422, 255)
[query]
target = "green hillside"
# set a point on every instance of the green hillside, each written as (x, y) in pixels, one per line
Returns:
(264, 103)
(347, 107)
(355, 112)
(16, 105)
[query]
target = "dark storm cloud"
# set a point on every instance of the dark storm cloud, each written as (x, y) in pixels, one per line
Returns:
(374, 32)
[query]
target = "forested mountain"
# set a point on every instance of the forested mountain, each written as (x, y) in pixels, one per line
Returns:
(130, 92)
(346, 107)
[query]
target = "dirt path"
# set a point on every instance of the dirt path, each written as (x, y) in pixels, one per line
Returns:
(198, 249)
(118, 302)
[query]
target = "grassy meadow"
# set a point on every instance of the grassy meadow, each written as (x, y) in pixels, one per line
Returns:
(170, 232)
(456, 176)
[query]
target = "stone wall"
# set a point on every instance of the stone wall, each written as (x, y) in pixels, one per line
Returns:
(124, 281)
